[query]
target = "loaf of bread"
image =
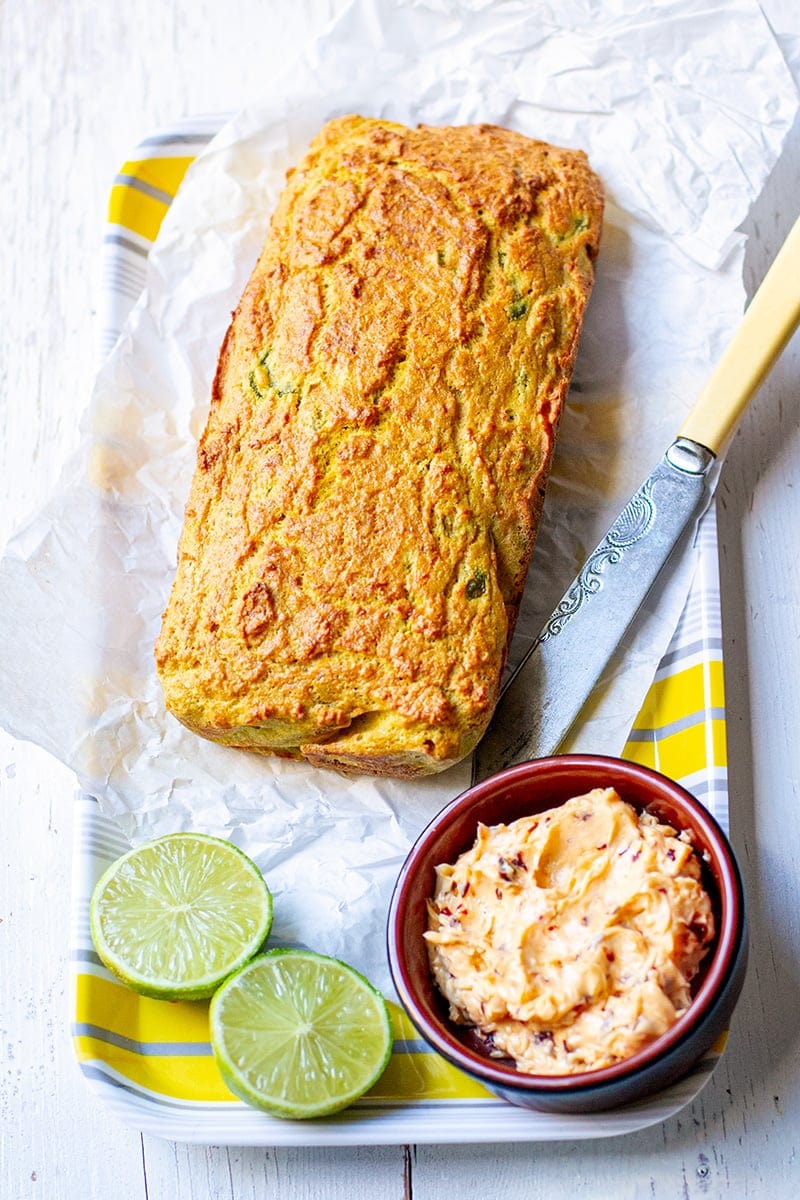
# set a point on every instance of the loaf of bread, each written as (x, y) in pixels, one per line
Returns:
(370, 480)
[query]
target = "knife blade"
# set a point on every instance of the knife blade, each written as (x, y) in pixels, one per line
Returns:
(542, 698)
(536, 710)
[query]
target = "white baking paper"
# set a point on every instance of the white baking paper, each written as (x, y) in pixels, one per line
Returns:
(682, 109)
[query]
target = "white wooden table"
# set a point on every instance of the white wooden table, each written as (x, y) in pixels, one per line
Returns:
(80, 83)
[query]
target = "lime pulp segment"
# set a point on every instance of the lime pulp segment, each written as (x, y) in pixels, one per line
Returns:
(174, 917)
(300, 1034)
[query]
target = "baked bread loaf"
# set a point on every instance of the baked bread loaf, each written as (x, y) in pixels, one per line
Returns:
(370, 480)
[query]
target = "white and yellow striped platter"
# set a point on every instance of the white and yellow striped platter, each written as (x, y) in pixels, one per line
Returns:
(150, 1061)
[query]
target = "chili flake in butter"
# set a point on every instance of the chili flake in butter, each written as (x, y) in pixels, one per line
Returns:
(570, 938)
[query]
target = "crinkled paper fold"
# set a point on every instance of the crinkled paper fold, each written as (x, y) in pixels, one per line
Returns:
(682, 109)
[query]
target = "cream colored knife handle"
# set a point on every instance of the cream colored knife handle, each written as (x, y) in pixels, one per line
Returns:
(769, 321)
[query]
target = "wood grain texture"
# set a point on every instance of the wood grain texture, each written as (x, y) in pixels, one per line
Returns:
(346, 1173)
(79, 84)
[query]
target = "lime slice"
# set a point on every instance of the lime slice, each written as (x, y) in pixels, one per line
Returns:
(300, 1034)
(176, 916)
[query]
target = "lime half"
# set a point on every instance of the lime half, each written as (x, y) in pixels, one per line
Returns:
(300, 1034)
(176, 916)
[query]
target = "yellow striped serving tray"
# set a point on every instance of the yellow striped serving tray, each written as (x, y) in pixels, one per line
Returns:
(150, 1061)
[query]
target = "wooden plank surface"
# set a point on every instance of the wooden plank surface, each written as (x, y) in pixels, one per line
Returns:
(79, 84)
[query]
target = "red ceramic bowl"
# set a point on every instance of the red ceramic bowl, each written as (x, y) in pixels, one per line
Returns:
(525, 790)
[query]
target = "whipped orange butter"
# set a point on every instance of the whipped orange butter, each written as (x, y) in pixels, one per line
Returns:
(569, 939)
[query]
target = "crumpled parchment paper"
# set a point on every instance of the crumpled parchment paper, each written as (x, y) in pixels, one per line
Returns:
(682, 109)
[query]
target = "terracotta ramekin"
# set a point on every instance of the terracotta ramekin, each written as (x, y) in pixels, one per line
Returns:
(525, 790)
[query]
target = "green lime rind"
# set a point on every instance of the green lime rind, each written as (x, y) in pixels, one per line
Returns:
(175, 916)
(299, 1034)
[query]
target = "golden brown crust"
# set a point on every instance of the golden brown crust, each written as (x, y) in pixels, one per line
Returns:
(370, 480)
